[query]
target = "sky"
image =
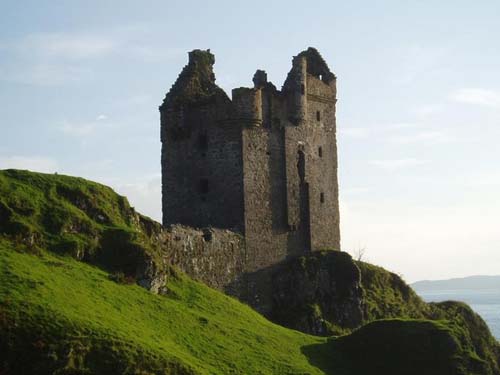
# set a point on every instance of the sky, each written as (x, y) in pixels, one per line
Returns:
(418, 106)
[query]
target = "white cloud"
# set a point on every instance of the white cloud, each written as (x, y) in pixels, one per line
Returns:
(32, 163)
(392, 164)
(50, 59)
(356, 190)
(78, 130)
(67, 45)
(82, 129)
(357, 132)
(399, 125)
(426, 137)
(415, 61)
(428, 109)
(139, 100)
(44, 73)
(484, 97)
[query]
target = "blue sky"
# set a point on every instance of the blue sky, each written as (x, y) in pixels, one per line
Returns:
(418, 110)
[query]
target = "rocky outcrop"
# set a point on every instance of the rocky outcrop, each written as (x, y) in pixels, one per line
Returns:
(319, 294)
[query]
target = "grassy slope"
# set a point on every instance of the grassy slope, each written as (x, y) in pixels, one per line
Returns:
(73, 216)
(62, 316)
(59, 315)
(60, 304)
(386, 295)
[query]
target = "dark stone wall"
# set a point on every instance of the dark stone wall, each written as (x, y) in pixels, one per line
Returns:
(213, 256)
(321, 145)
(263, 164)
(202, 167)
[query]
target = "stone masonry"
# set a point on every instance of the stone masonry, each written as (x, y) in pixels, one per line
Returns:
(262, 164)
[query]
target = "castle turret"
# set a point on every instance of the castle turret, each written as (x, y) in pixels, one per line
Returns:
(247, 104)
(296, 88)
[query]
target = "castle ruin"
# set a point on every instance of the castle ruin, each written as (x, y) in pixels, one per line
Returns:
(262, 164)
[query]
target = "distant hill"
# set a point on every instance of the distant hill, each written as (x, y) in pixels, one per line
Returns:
(468, 283)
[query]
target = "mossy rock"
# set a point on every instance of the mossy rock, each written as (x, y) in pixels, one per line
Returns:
(76, 217)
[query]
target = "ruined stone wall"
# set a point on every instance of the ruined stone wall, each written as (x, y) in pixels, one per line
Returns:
(216, 257)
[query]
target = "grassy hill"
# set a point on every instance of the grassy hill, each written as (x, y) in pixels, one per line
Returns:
(70, 304)
(59, 313)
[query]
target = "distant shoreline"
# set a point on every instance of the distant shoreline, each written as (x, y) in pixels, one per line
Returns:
(471, 283)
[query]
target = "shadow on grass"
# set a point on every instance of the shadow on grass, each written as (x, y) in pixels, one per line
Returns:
(326, 357)
(395, 347)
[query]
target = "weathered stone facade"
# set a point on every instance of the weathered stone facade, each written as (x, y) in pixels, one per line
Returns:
(263, 164)
(214, 256)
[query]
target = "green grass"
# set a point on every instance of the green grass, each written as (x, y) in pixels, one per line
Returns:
(77, 217)
(58, 304)
(386, 295)
(64, 316)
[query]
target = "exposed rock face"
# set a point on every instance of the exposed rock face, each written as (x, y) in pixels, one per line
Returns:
(318, 293)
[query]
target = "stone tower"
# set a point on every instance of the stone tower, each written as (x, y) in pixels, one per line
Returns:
(263, 163)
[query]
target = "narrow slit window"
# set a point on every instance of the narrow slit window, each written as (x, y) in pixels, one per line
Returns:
(320, 152)
(302, 89)
(203, 142)
(322, 197)
(203, 186)
(318, 115)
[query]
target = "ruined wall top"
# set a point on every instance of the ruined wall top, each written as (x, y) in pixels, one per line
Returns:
(315, 65)
(196, 83)
(196, 86)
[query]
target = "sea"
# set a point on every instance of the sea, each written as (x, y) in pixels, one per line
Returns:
(484, 302)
